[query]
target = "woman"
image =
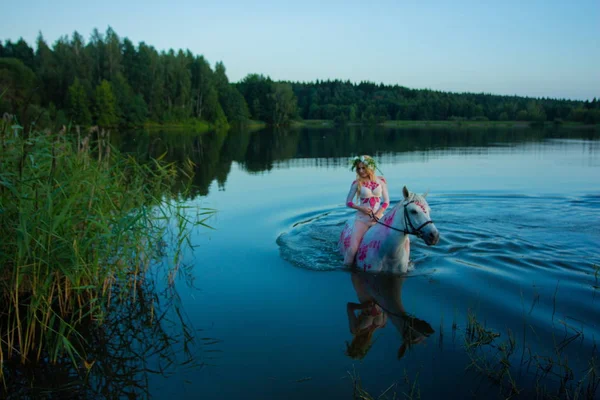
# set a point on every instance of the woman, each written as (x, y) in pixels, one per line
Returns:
(372, 200)
(363, 326)
(380, 297)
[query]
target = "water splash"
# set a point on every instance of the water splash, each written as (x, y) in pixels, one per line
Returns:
(311, 243)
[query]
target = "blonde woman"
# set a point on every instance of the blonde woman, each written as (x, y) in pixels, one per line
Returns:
(362, 326)
(372, 199)
(380, 297)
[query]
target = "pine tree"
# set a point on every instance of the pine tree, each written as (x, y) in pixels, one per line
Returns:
(105, 105)
(77, 104)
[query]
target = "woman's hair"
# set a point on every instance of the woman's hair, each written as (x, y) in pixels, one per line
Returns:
(370, 165)
(361, 342)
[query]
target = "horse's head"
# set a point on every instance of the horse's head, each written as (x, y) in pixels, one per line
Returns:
(386, 291)
(413, 330)
(417, 217)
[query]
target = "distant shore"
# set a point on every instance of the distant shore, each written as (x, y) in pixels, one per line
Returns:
(322, 123)
(196, 126)
(199, 126)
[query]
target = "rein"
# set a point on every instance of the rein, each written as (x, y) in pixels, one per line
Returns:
(407, 222)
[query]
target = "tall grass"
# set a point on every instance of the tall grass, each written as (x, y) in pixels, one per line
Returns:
(512, 365)
(553, 372)
(80, 225)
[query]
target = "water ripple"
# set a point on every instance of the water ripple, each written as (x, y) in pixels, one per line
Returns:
(501, 233)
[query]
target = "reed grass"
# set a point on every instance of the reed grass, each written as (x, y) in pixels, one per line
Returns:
(510, 363)
(359, 393)
(138, 340)
(80, 226)
(553, 376)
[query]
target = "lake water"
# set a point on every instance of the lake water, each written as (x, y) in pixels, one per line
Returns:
(510, 294)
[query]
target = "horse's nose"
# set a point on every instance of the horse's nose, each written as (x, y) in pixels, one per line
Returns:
(433, 237)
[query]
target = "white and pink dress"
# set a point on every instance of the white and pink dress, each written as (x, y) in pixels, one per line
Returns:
(373, 194)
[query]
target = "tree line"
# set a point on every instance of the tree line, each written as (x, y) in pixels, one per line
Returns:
(367, 102)
(109, 81)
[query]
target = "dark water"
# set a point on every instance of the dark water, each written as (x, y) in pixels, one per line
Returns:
(519, 216)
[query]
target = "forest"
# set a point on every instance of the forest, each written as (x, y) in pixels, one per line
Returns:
(111, 82)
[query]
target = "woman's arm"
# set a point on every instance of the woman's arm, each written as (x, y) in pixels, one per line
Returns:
(386, 197)
(352, 319)
(351, 195)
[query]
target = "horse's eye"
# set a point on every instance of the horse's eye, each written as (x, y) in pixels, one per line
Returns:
(414, 211)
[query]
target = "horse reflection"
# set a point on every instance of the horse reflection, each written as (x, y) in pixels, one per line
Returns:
(380, 300)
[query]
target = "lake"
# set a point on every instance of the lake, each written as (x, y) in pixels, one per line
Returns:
(506, 304)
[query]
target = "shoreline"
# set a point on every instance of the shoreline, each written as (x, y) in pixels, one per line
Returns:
(252, 125)
(445, 124)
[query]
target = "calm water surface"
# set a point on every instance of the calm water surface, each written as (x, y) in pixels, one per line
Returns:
(519, 216)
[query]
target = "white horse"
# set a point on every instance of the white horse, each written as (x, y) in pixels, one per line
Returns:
(385, 290)
(385, 247)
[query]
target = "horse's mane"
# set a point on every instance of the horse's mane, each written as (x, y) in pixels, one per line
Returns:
(417, 198)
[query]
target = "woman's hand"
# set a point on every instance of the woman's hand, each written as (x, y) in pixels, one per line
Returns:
(366, 210)
(378, 215)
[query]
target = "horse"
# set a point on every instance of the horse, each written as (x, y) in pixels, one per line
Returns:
(385, 290)
(385, 247)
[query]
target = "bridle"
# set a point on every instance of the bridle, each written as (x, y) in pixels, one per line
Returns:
(407, 222)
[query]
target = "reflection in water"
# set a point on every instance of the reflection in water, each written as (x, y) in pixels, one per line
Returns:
(139, 339)
(501, 256)
(202, 150)
(380, 300)
(213, 153)
(370, 318)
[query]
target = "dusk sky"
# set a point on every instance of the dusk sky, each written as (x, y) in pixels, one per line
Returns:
(531, 48)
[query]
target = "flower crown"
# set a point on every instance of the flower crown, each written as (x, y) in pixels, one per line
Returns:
(368, 161)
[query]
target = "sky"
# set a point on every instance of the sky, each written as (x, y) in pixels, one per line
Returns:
(530, 48)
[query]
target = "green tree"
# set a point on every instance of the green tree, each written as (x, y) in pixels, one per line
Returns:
(146, 70)
(213, 111)
(257, 90)
(536, 112)
(112, 54)
(201, 83)
(95, 50)
(17, 85)
(129, 61)
(65, 69)
(220, 77)
(23, 52)
(233, 103)
(522, 115)
(78, 108)
(106, 104)
(138, 111)
(79, 58)
(284, 102)
(352, 115)
(131, 109)
(175, 85)
(47, 72)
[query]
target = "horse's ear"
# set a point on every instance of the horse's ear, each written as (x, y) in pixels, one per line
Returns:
(405, 192)
(402, 350)
(425, 194)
